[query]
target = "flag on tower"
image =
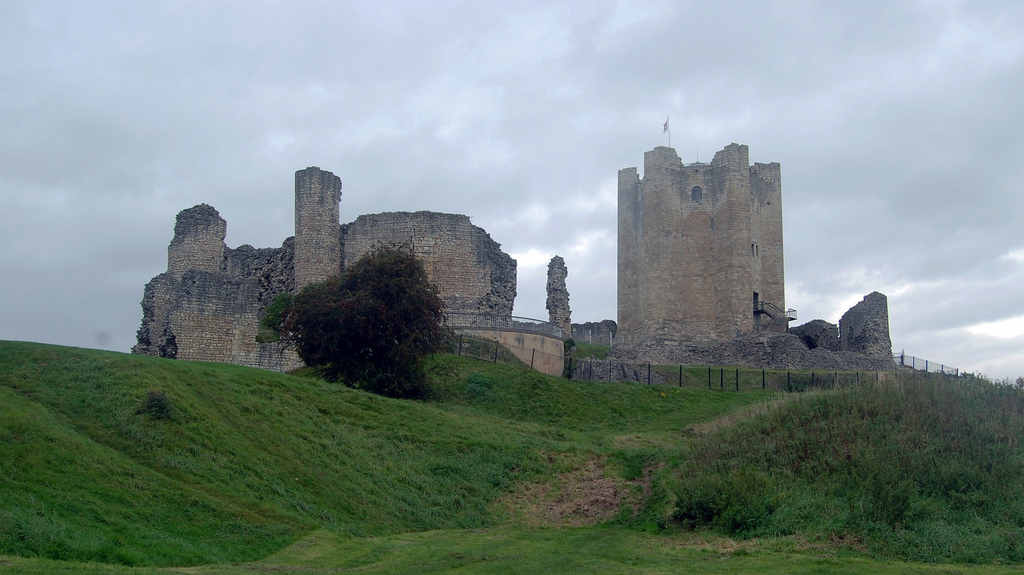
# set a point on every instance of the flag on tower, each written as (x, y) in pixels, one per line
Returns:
(664, 129)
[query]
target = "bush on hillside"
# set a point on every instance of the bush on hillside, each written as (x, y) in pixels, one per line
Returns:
(902, 466)
(156, 405)
(372, 325)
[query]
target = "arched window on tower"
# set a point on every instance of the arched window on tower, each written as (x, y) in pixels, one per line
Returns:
(697, 194)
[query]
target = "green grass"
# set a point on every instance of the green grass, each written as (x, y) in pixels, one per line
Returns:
(595, 350)
(569, 551)
(262, 472)
(923, 468)
(251, 460)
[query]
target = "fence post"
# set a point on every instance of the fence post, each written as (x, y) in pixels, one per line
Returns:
(737, 379)
(812, 378)
(858, 377)
(762, 379)
(495, 351)
(533, 354)
(721, 378)
(648, 373)
(789, 383)
(680, 375)
(709, 377)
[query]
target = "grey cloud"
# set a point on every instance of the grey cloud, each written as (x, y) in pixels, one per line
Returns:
(898, 126)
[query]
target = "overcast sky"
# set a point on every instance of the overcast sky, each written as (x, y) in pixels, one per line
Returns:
(899, 127)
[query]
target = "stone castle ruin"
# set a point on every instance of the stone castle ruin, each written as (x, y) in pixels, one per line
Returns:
(700, 249)
(208, 304)
(701, 277)
(558, 295)
(701, 273)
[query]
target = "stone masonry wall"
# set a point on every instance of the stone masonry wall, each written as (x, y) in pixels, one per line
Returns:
(215, 318)
(818, 333)
(198, 242)
(208, 304)
(271, 268)
(865, 327)
(470, 271)
(558, 295)
(206, 310)
(696, 243)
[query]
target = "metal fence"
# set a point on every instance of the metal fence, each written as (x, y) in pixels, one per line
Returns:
(923, 364)
(461, 320)
(493, 352)
(723, 378)
(591, 336)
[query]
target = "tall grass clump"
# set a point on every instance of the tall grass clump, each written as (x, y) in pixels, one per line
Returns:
(923, 468)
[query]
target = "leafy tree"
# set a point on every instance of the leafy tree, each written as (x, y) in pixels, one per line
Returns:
(372, 325)
(273, 316)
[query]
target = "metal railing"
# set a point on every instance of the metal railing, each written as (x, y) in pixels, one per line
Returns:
(923, 364)
(591, 336)
(461, 320)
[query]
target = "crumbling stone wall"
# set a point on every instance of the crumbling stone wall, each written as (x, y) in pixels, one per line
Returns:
(198, 242)
(208, 304)
(558, 295)
(865, 327)
(470, 271)
(770, 350)
(818, 333)
(271, 268)
(595, 331)
(814, 345)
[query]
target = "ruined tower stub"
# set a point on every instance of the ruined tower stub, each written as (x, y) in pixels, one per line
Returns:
(865, 327)
(317, 227)
(699, 249)
(558, 295)
(198, 242)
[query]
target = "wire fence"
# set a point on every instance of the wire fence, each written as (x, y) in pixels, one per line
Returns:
(721, 378)
(689, 376)
(458, 320)
(923, 364)
(492, 351)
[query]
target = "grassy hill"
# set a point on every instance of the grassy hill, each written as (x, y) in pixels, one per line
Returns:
(297, 473)
(926, 469)
(250, 460)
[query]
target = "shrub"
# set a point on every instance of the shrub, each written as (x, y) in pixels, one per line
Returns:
(273, 316)
(372, 325)
(156, 405)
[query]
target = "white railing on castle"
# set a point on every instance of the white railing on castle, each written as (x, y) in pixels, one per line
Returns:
(461, 320)
(923, 364)
(591, 336)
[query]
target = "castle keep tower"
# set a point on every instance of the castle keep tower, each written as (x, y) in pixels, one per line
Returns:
(700, 249)
(317, 227)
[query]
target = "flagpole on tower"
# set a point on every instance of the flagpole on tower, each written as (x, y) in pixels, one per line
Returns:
(666, 130)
